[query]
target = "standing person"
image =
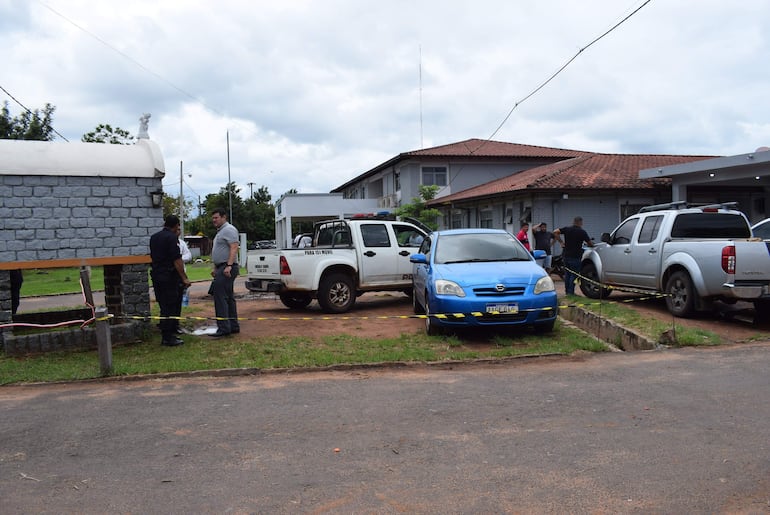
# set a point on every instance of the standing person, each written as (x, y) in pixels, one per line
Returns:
(169, 278)
(224, 255)
(544, 241)
(186, 258)
(574, 238)
(17, 278)
(523, 235)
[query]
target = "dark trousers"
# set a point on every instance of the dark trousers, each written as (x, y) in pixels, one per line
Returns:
(224, 300)
(572, 266)
(168, 294)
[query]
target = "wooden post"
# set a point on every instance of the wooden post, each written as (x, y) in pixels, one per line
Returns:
(104, 340)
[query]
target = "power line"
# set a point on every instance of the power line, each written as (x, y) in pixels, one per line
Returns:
(557, 72)
(30, 112)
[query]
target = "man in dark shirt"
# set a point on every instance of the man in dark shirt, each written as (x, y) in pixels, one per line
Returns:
(572, 243)
(168, 278)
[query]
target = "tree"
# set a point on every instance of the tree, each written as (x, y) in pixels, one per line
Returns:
(104, 133)
(30, 125)
(418, 208)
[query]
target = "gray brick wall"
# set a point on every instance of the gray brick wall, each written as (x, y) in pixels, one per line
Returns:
(68, 217)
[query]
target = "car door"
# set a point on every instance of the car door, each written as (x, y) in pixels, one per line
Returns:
(378, 264)
(420, 271)
(616, 255)
(645, 258)
(409, 239)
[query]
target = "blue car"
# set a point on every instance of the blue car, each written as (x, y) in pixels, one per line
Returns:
(484, 274)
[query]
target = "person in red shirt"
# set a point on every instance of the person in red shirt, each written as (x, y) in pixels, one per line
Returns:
(523, 235)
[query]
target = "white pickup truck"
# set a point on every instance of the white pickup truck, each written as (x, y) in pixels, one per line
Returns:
(692, 255)
(346, 259)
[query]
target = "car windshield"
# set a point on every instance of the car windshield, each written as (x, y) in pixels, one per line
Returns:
(466, 248)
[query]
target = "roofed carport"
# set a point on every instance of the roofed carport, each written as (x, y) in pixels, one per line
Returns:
(745, 177)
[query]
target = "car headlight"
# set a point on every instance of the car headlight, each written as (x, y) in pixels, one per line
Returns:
(544, 284)
(444, 287)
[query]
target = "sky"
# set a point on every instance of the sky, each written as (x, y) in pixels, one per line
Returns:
(314, 93)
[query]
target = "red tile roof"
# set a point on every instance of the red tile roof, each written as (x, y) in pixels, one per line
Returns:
(473, 149)
(588, 171)
(487, 148)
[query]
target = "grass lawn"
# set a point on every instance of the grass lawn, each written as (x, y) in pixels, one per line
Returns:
(54, 281)
(204, 353)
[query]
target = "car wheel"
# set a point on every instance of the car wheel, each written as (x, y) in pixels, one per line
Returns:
(680, 294)
(336, 293)
(591, 288)
(432, 327)
(416, 306)
(295, 300)
(545, 328)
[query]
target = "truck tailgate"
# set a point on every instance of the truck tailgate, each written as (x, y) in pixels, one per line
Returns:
(752, 261)
(263, 264)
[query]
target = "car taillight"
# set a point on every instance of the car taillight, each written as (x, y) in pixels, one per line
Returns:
(728, 259)
(285, 270)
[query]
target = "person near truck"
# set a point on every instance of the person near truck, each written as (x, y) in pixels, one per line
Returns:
(572, 238)
(523, 235)
(224, 255)
(544, 241)
(169, 279)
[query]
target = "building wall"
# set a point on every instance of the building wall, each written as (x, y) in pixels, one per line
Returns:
(66, 217)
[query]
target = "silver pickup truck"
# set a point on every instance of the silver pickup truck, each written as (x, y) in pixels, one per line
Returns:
(692, 255)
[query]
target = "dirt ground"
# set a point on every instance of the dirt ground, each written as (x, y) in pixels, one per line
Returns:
(377, 315)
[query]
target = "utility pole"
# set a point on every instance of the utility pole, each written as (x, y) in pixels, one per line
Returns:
(251, 189)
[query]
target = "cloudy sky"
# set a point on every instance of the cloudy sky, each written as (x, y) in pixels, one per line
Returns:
(313, 93)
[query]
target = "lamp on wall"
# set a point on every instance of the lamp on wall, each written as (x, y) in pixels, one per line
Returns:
(157, 198)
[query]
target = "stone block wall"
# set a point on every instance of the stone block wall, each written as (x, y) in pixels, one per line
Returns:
(65, 217)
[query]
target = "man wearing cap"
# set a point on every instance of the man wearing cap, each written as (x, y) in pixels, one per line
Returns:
(544, 241)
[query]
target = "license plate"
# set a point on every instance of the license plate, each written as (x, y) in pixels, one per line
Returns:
(503, 308)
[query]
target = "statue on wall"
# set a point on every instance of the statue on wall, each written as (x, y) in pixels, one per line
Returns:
(144, 121)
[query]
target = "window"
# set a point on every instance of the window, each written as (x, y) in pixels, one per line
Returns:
(434, 175)
(375, 235)
(710, 225)
(650, 229)
(625, 232)
(408, 236)
(396, 181)
(485, 219)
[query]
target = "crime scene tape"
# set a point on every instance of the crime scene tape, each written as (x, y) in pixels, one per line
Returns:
(618, 288)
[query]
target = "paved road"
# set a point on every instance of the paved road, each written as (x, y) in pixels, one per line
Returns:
(676, 431)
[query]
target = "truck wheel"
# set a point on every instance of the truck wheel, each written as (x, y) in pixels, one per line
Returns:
(295, 300)
(680, 294)
(590, 287)
(336, 293)
(761, 310)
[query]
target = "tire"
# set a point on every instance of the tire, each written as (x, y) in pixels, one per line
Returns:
(545, 328)
(336, 293)
(680, 294)
(591, 288)
(432, 328)
(416, 306)
(761, 311)
(295, 300)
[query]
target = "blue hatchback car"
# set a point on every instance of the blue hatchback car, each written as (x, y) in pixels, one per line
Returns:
(485, 276)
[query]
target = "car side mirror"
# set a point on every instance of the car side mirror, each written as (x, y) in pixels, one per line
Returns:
(606, 237)
(418, 258)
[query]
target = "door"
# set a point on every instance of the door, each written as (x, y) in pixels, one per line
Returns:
(616, 255)
(409, 239)
(645, 260)
(378, 264)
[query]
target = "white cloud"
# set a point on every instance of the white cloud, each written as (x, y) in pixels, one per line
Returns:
(315, 93)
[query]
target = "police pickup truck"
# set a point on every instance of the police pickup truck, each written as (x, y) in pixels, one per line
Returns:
(693, 255)
(346, 259)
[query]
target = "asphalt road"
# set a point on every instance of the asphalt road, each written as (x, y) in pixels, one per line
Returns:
(675, 431)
